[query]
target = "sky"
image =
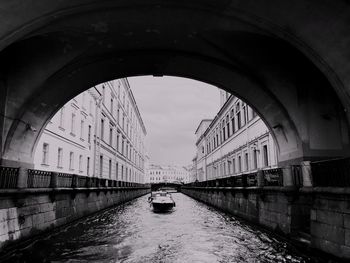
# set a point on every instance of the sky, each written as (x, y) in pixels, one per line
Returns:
(171, 109)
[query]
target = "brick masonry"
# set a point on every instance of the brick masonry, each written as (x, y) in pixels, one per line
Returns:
(26, 214)
(324, 215)
(330, 223)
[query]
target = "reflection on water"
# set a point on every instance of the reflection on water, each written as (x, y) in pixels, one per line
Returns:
(192, 232)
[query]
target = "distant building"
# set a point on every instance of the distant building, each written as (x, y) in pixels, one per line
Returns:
(167, 174)
(99, 133)
(236, 141)
(193, 170)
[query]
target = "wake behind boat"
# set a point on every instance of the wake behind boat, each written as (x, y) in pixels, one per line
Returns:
(161, 201)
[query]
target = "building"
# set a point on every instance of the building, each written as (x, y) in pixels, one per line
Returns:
(236, 141)
(193, 170)
(168, 174)
(98, 133)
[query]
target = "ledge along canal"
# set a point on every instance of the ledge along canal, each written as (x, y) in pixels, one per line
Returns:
(192, 232)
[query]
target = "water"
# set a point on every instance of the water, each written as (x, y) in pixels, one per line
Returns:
(193, 232)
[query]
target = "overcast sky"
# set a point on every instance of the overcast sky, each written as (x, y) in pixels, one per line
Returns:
(171, 109)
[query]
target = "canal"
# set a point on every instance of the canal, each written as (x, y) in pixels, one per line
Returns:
(193, 232)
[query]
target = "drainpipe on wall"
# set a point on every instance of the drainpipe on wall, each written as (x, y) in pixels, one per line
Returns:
(97, 111)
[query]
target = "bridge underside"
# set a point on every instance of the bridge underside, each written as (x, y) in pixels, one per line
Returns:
(166, 186)
(289, 61)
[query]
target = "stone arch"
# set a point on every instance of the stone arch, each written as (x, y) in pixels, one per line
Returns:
(64, 49)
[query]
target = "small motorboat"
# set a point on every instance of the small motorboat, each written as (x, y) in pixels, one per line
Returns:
(161, 201)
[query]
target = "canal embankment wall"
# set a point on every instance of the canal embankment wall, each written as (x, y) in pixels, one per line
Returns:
(25, 213)
(319, 214)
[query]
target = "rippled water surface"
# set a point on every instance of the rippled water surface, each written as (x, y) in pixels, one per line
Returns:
(193, 232)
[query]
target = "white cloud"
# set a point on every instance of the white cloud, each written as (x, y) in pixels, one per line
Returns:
(171, 109)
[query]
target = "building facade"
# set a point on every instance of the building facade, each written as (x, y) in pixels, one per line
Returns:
(236, 141)
(168, 174)
(98, 133)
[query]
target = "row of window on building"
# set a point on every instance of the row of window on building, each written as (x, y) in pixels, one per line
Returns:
(122, 145)
(60, 156)
(224, 148)
(237, 117)
(121, 171)
(238, 164)
(117, 155)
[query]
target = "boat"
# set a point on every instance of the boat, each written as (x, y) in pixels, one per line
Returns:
(161, 201)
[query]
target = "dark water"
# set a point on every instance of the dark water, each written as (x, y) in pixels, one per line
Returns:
(193, 232)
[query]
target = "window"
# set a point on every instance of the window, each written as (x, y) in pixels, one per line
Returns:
(45, 154)
(118, 142)
(103, 93)
(228, 126)
(110, 168)
(238, 116)
(244, 112)
(72, 127)
(234, 165)
(110, 136)
(239, 164)
(89, 133)
(122, 172)
(59, 157)
(102, 128)
(82, 129)
(246, 159)
(255, 159)
(62, 118)
(111, 109)
(265, 156)
(220, 142)
(71, 160)
(122, 147)
(88, 166)
(80, 163)
(118, 112)
(116, 171)
(101, 165)
(233, 125)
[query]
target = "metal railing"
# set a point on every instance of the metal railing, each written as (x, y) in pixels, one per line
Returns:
(8, 177)
(273, 177)
(82, 181)
(64, 180)
(251, 179)
(297, 175)
(334, 173)
(12, 178)
(38, 179)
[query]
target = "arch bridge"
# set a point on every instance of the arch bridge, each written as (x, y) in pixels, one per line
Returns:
(289, 60)
(171, 186)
